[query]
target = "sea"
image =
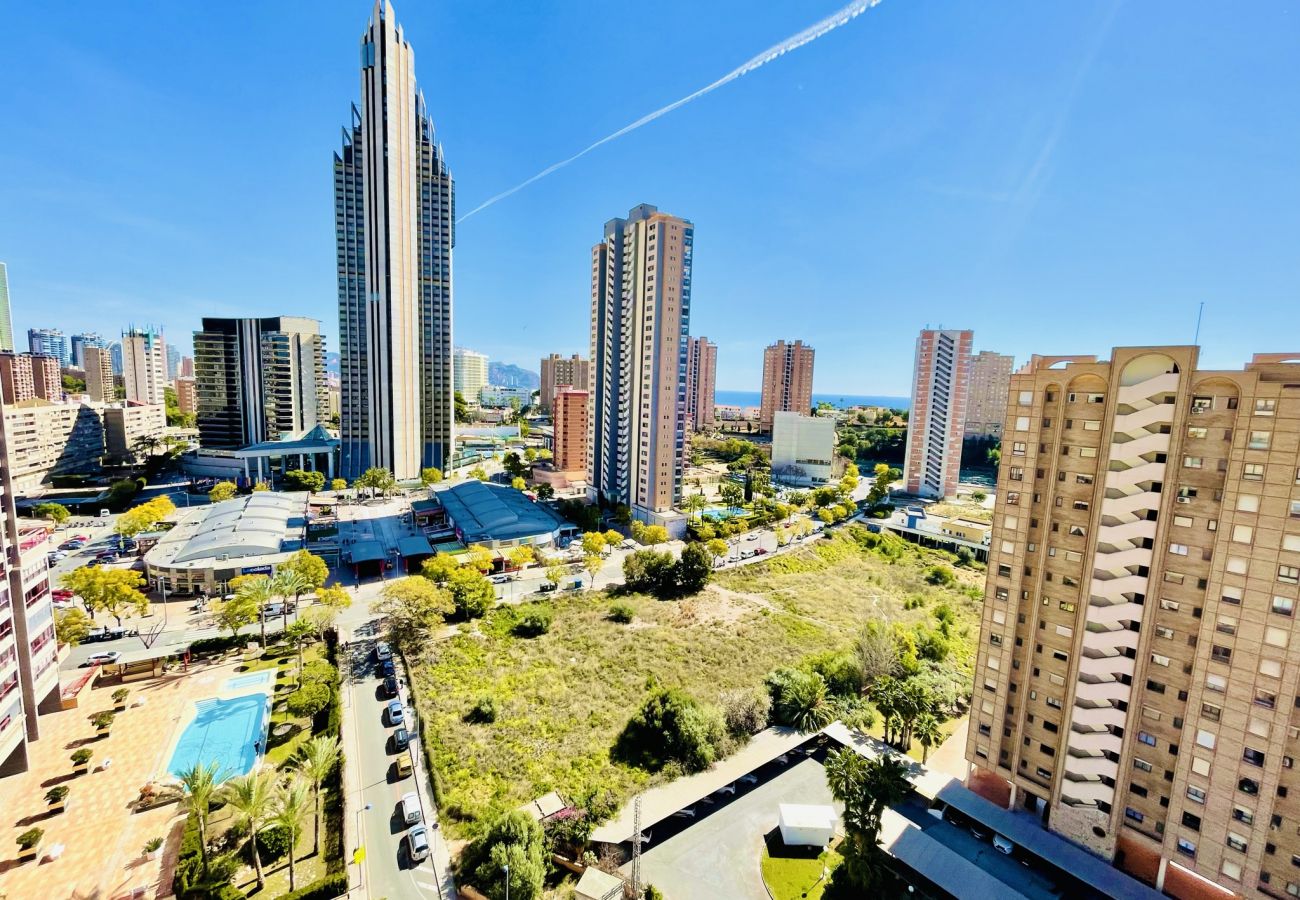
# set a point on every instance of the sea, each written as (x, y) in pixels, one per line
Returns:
(842, 401)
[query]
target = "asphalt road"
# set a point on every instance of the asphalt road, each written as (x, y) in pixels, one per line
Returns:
(388, 869)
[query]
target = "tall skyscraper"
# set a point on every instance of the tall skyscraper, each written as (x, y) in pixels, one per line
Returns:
(986, 405)
(557, 370)
(469, 374)
(144, 365)
(1136, 677)
(787, 381)
(701, 369)
(49, 342)
(394, 201)
(258, 380)
(115, 356)
(173, 362)
(569, 424)
(6, 317)
(940, 382)
(640, 319)
(99, 374)
(79, 343)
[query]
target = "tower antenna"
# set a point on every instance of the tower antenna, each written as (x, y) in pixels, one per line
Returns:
(1196, 339)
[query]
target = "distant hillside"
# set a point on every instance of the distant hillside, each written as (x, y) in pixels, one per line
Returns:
(507, 375)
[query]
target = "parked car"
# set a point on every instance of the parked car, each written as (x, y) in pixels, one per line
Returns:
(1002, 845)
(500, 579)
(387, 669)
(104, 634)
(752, 536)
(396, 715)
(84, 538)
(403, 766)
(72, 545)
(759, 551)
(62, 594)
(979, 831)
(401, 739)
(102, 659)
(545, 587)
(383, 651)
(411, 812)
(390, 686)
(417, 843)
(56, 555)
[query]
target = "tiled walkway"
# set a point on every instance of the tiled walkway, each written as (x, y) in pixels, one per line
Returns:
(102, 838)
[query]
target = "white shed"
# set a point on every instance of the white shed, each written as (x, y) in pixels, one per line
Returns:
(806, 825)
(598, 885)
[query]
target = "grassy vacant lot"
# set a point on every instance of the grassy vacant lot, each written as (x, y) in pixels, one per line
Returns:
(562, 698)
(796, 876)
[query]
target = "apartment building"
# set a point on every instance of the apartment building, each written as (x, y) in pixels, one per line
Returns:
(29, 664)
(803, 448)
(46, 439)
(79, 343)
(124, 426)
(24, 376)
(186, 394)
(144, 365)
(787, 381)
(640, 318)
(100, 384)
(572, 371)
(701, 381)
(940, 383)
(1137, 682)
(469, 373)
(570, 430)
(986, 403)
(49, 342)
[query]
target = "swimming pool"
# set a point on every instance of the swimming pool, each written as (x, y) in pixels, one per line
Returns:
(256, 679)
(719, 513)
(224, 732)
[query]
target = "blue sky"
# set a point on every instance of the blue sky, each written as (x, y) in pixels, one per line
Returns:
(971, 165)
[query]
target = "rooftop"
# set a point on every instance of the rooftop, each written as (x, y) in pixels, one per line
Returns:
(494, 512)
(242, 528)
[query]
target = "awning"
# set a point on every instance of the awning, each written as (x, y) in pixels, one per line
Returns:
(933, 861)
(414, 546)
(367, 551)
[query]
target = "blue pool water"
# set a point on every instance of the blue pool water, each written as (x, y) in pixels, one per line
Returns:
(718, 513)
(257, 679)
(222, 731)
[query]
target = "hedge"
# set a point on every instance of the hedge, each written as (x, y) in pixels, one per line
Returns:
(327, 888)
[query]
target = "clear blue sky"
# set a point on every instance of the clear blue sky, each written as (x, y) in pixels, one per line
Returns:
(966, 164)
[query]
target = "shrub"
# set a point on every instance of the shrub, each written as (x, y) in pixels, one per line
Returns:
(798, 698)
(534, 620)
(103, 719)
(152, 844)
(318, 671)
(327, 888)
(940, 575)
(839, 670)
(671, 727)
(978, 496)
(308, 700)
(56, 794)
(515, 840)
(483, 711)
(30, 838)
(745, 712)
(120, 695)
(213, 645)
(82, 756)
(273, 843)
(653, 893)
(965, 557)
(621, 613)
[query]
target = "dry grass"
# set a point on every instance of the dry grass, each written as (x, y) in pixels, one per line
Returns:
(563, 697)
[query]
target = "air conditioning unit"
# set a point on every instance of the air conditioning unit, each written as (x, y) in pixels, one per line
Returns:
(1198, 410)
(1184, 499)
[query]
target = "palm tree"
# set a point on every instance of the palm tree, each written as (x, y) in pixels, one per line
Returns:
(865, 787)
(200, 783)
(297, 634)
(259, 590)
(695, 503)
(927, 733)
(250, 796)
(287, 810)
(288, 583)
(316, 759)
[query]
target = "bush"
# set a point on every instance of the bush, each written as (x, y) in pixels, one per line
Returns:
(621, 613)
(671, 727)
(745, 712)
(798, 698)
(840, 671)
(483, 711)
(308, 700)
(318, 671)
(327, 888)
(534, 620)
(653, 893)
(940, 575)
(30, 838)
(214, 645)
(272, 843)
(82, 756)
(518, 841)
(965, 557)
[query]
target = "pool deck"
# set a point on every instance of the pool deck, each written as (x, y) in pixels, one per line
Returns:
(102, 838)
(244, 685)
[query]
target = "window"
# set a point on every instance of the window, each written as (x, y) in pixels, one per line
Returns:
(1242, 534)
(1087, 479)
(1276, 637)
(1248, 502)
(1231, 869)
(1288, 574)
(1265, 699)
(1270, 667)
(1211, 712)
(1284, 606)
(1196, 431)
(1220, 654)
(1193, 462)
(1159, 660)
(1183, 521)
(1087, 452)
(1178, 549)
(1232, 595)
(1243, 815)
(1253, 472)
(1254, 757)
(1294, 509)
(1226, 625)
(1265, 407)
(1196, 795)
(1200, 766)
(1202, 404)
(1186, 847)
(1018, 448)
(1067, 606)
(1013, 499)
(1259, 440)
(1131, 813)
(1142, 764)
(1025, 398)
(1205, 739)
(1148, 739)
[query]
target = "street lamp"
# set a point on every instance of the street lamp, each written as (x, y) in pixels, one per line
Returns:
(506, 868)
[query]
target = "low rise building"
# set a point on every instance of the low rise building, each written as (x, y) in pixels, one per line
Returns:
(186, 397)
(500, 517)
(803, 448)
(209, 545)
(494, 396)
(967, 530)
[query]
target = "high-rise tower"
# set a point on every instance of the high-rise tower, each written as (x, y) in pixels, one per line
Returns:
(6, 319)
(787, 380)
(394, 204)
(940, 383)
(640, 318)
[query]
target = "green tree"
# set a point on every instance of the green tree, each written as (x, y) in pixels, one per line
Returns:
(233, 614)
(415, 607)
(481, 558)
(113, 591)
(71, 626)
(718, 548)
(316, 760)
(655, 535)
(513, 465)
(200, 784)
(545, 492)
(338, 484)
(376, 478)
(144, 517)
(556, 573)
(288, 584)
(514, 858)
(472, 593)
(798, 699)
(250, 796)
(691, 572)
(593, 542)
(669, 727)
(430, 476)
(731, 493)
(297, 634)
(310, 567)
(593, 563)
(649, 571)
(879, 491)
(302, 480)
(612, 538)
(55, 512)
(461, 409)
(521, 556)
(695, 504)
(928, 732)
(866, 787)
(287, 809)
(438, 568)
(518, 483)
(222, 490)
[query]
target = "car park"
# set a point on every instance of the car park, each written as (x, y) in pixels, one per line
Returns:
(390, 686)
(102, 659)
(417, 843)
(396, 715)
(411, 812)
(401, 739)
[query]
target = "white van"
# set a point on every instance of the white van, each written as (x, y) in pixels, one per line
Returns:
(411, 814)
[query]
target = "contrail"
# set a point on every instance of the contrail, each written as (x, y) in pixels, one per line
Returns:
(794, 42)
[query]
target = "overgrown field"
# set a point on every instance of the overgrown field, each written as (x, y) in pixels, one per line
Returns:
(560, 699)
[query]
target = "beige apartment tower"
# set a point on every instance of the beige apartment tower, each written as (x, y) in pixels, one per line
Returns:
(100, 385)
(787, 381)
(557, 370)
(144, 365)
(640, 317)
(570, 429)
(986, 404)
(940, 382)
(1137, 682)
(701, 381)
